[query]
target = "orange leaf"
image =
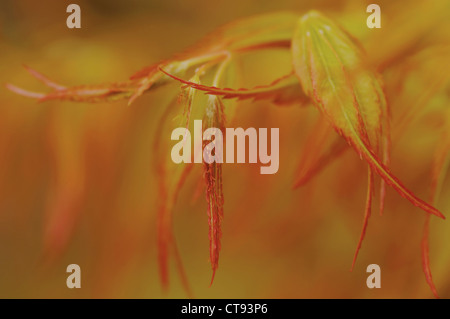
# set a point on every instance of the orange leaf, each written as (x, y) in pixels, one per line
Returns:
(213, 180)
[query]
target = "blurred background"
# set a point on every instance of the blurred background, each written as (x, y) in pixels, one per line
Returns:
(78, 182)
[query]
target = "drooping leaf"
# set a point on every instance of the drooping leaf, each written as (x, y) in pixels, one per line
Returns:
(330, 69)
(213, 180)
(170, 178)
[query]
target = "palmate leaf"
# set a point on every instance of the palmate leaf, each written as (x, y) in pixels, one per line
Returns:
(330, 68)
(328, 64)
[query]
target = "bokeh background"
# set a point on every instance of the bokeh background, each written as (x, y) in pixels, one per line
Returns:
(78, 183)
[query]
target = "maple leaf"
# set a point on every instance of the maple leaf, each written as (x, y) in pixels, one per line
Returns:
(331, 70)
